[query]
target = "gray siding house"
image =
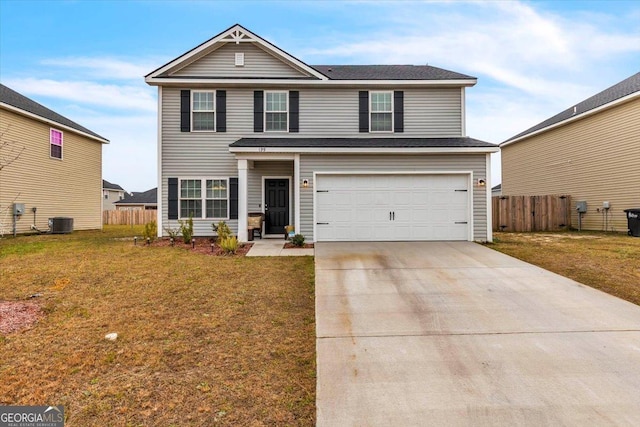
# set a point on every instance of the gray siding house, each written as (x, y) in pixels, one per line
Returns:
(341, 152)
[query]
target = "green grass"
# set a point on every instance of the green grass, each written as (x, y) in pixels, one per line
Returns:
(202, 340)
(606, 261)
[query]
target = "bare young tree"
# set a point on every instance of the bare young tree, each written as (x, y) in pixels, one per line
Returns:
(10, 151)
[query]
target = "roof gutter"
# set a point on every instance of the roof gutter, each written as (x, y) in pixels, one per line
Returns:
(586, 114)
(159, 81)
(364, 150)
(51, 122)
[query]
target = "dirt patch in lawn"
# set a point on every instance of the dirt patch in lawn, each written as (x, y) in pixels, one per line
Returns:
(202, 340)
(18, 315)
(606, 261)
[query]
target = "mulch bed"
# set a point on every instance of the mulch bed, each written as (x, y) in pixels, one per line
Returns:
(17, 315)
(290, 245)
(202, 246)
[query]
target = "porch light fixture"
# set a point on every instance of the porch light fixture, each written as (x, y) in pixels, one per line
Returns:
(305, 183)
(481, 183)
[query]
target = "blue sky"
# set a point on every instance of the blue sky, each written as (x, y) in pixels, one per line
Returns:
(86, 59)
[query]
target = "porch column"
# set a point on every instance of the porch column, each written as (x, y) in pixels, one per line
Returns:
(242, 201)
(296, 192)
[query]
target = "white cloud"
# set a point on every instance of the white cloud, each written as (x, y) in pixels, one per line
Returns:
(115, 96)
(103, 67)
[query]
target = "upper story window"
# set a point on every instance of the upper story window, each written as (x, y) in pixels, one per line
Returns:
(203, 111)
(276, 111)
(381, 111)
(55, 141)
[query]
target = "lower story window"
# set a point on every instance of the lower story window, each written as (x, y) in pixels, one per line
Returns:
(191, 198)
(213, 202)
(217, 197)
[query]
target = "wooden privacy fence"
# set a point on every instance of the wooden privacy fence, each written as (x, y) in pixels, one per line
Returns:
(133, 217)
(531, 213)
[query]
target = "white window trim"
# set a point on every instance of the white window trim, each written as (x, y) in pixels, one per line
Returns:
(264, 118)
(191, 111)
(61, 144)
(371, 111)
(203, 196)
(228, 199)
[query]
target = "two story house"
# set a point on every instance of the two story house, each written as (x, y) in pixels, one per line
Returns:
(341, 152)
(51, 166)
(111, 193)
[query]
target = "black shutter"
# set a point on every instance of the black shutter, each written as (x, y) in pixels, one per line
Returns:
(221, 111)
(398, 111)
(294, 111)
(185, 111)
(173, 198)
(258, 110)
(233, 198)
(364, 110)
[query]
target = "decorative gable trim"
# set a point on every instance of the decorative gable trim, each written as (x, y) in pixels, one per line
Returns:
(235, 34)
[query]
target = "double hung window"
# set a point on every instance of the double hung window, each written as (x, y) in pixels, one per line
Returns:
(381, 111)
(276, 111)
(204, 198)
(55, 142)
(203, 111)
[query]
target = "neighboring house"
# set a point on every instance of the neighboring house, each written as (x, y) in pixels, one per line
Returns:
(146, 200)
(497, 190)
(590, 151)
(111, 193)
(58, 172)
(342, 152)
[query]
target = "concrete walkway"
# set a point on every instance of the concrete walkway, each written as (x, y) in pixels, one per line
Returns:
(275, 247)
(456, 334)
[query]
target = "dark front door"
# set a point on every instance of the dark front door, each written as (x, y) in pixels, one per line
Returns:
(276, 205)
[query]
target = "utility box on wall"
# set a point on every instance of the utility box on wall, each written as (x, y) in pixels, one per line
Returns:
(18, 209)
(581, 207)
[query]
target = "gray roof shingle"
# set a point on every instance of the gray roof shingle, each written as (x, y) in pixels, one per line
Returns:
(109, 186)
(13, 98)
(461, 142)
(389, 72)
(149, 197)
(617, 91)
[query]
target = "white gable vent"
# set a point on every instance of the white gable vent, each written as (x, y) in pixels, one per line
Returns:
(239, 59)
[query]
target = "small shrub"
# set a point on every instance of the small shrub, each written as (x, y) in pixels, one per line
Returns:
(298, 240)
(186, 229)
(223, 231)
(172, 232)
(150, 231)
(229, 244)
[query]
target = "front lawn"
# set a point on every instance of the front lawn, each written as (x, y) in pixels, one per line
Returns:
(606, 261)
(202, 340)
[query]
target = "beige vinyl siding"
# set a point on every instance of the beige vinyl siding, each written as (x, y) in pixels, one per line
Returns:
(394, 163)
(112, 197)
(221, 63)
(595, 159)
(71, 187)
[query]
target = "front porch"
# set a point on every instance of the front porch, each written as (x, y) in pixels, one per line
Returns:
(268, 184)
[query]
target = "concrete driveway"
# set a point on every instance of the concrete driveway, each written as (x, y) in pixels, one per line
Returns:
(453, 333)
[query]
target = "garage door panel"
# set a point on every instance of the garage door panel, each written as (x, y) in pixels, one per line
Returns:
(392, 207)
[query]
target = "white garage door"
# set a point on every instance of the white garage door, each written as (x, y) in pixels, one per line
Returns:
(392, 207)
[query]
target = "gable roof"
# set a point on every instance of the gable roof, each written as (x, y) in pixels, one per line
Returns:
(628, 88)
(388, 72)
(311, 75)
(109, 186)
(11, 98)
(149, 197)
(238, 34)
